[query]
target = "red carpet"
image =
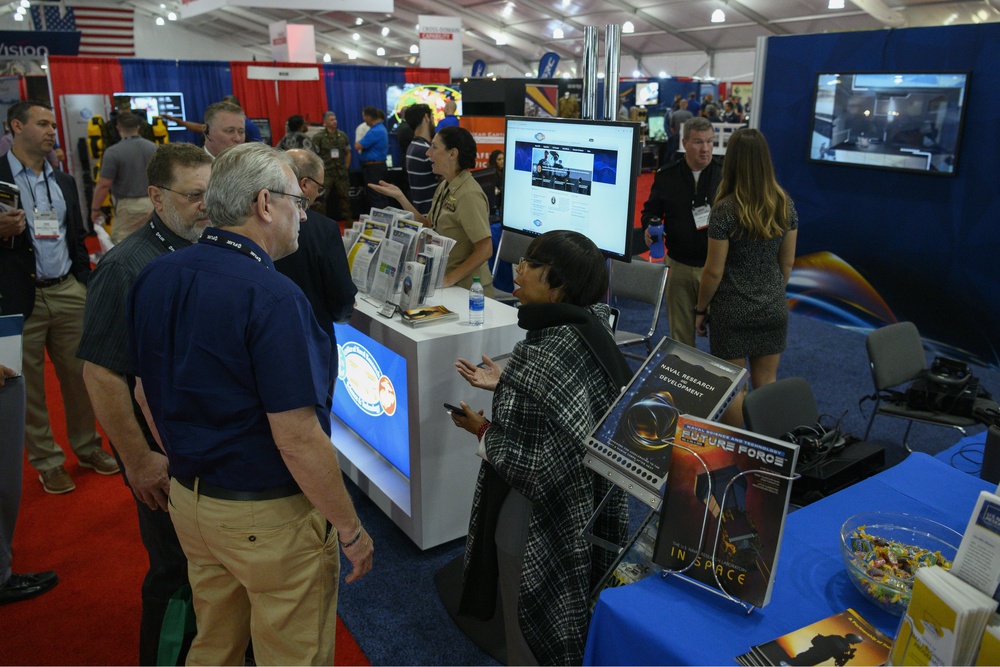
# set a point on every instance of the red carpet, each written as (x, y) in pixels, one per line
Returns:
(90, 537)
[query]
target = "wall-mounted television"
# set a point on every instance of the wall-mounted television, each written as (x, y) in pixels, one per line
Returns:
(647, 94)
(435, 95)
(573, 174)
(157, 104)
(901, 121)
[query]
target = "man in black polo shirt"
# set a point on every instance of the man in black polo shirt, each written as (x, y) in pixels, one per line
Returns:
(178, 176)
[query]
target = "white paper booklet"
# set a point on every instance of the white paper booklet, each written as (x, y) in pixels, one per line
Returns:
(376, 228)
(413, 273)
(401, 214)
(445, 244)
(385, 215)
(361, 259)
(387, 271)
(978, 560)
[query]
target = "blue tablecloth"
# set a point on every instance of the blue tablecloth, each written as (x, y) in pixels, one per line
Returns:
(669, 621)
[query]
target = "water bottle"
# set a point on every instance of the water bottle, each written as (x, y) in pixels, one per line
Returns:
(656, 251)
(477, 303)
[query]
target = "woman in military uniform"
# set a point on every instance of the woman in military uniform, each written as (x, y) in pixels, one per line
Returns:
(459, 209)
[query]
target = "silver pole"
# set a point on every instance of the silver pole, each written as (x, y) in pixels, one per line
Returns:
(612, 52)
(589, 110)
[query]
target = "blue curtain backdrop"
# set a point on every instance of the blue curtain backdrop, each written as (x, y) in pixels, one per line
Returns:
(203, 82)
(351, 87)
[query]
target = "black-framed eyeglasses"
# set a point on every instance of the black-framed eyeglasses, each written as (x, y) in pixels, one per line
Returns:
(301, 202)
(193, 198)
(530, 263)
(322, 190)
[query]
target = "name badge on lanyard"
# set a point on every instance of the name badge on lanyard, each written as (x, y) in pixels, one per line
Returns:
(335, 153)
(701, 215)
(46, 224)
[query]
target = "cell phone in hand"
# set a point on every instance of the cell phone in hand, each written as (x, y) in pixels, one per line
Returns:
(454, 408)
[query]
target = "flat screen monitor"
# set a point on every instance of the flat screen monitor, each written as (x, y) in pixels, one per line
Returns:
(157, 104)
(573, 174)
(900, 121)
(647, 94)
(656, 127)
(264, 125)
(435, 95)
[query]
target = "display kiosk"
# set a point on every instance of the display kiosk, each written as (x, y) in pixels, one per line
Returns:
(392, 433)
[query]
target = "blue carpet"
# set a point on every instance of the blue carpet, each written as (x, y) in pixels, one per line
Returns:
(394, 612)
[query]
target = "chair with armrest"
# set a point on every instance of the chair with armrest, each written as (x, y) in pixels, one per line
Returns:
(512, 247)
(641, 281)
(780, 407)
(896, 355)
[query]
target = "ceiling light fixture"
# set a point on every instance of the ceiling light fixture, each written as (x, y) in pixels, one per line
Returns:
(385, 31)
(355, 37)
(628, 27)
(636, 74)
(836, 4)
(501, 39)
(172, 16)
(25, 4)
(20, 11)
(352, 55)
(414, 49)
(508, 10)
(18, 17)
(557, 33)
(662, 74)
(160, 21)
(567, 75)
(718, 16)
(359, 21)
(600, 75)
(380, 51)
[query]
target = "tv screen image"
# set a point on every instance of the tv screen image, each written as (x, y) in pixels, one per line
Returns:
(656, 128)
(572, 174)
(648, 94)
(435, 95)
(157, 104)
(901, 121)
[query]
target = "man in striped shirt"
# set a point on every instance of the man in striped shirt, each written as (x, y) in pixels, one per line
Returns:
(422, 180)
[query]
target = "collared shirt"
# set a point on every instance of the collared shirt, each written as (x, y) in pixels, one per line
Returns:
(461, 211)
(447, 121)
(375, 144)
(221, 339)
(42, 192)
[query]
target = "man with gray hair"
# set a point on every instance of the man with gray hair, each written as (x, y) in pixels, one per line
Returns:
(235, 375)
(681, 200)
(225, 126)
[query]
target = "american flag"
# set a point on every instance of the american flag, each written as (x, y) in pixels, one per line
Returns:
(104, 31)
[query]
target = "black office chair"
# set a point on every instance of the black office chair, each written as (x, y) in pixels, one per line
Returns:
(780, 407)
(896, 355)
(641, 281)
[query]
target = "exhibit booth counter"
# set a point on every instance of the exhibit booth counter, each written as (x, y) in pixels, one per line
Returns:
(391, 431)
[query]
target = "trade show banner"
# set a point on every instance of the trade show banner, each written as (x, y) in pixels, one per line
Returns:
(541, 100)
(478, 68)
(39, 43)
(441, 42)
(547, 65)
(488, 133)
(191, 8)
(292, 43)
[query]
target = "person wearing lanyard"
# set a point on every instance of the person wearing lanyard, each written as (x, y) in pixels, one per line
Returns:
(178, 176)
(459, 209)
(44, 268)
(373, 148)
(681, 196)
(235, 376)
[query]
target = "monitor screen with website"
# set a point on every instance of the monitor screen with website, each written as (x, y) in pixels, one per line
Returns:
(157, 104)
(573, 174)
(899, 121)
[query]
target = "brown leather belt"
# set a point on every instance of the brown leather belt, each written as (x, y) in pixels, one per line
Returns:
(365, 164)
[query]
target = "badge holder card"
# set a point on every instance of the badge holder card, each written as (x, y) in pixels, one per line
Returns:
(719, 589)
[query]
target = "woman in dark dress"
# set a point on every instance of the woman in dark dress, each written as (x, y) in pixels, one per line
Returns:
(751, 248)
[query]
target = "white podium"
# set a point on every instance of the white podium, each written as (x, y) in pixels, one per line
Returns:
(408, 456)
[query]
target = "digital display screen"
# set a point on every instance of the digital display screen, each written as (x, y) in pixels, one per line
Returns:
(371, 396)
(648, 94)
(572, 174)
(434, 95)
(157, 104)
(906, 121)
(656, 127)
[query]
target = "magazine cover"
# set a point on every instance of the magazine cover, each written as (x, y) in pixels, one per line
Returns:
(418, 317)
(630, 446)
(708, 486)
(846, 638)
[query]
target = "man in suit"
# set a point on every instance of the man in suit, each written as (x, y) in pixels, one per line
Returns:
(43, 274)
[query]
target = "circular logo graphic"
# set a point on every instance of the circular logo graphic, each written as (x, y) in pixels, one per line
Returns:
(387, 395)
(367, 386)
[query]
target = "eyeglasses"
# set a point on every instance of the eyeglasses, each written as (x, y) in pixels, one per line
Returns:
(193, 198)
(321, 190)
(525, 262)
(301, 202)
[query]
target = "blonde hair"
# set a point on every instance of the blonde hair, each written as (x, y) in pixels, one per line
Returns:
(748, 177)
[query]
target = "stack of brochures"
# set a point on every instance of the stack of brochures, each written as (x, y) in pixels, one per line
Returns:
(846, 638)
(419, 317)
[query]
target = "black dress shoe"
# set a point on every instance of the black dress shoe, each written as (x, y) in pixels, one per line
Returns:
(26, 586)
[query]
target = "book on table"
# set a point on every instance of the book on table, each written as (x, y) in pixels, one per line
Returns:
(846, 638)
(724, 507)
(418, 317)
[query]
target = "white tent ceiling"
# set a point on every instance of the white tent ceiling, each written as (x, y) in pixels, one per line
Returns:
(661, 27)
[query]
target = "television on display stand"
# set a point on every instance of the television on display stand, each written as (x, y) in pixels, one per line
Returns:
(563, 173)
(901, 121)
(157, 104)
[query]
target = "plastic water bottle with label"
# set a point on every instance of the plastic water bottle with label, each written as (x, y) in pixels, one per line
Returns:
(477, 303)
(656, 251)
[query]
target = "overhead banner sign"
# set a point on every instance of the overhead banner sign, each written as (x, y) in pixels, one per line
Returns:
(191, 8)
(292, 43)
(478, 68)
(39, 43)
(547, 65)
(283, 73)
(441, 43)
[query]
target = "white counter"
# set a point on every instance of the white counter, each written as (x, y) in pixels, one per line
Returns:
(432, 504)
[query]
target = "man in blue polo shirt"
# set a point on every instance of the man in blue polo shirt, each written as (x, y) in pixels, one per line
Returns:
(373, 148)
(235, 375)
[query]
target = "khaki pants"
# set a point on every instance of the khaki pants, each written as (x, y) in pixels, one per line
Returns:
(265, 569)
(130, 214)
(56, 324)
(683, 282)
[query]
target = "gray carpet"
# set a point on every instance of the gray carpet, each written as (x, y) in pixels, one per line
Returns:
(395, 612)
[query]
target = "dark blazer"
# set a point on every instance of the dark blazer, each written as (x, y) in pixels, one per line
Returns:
(17, 265)
(320, 268)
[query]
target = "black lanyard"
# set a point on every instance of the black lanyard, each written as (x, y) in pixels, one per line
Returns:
(223, 242)
(45, 179)
(161, 238)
